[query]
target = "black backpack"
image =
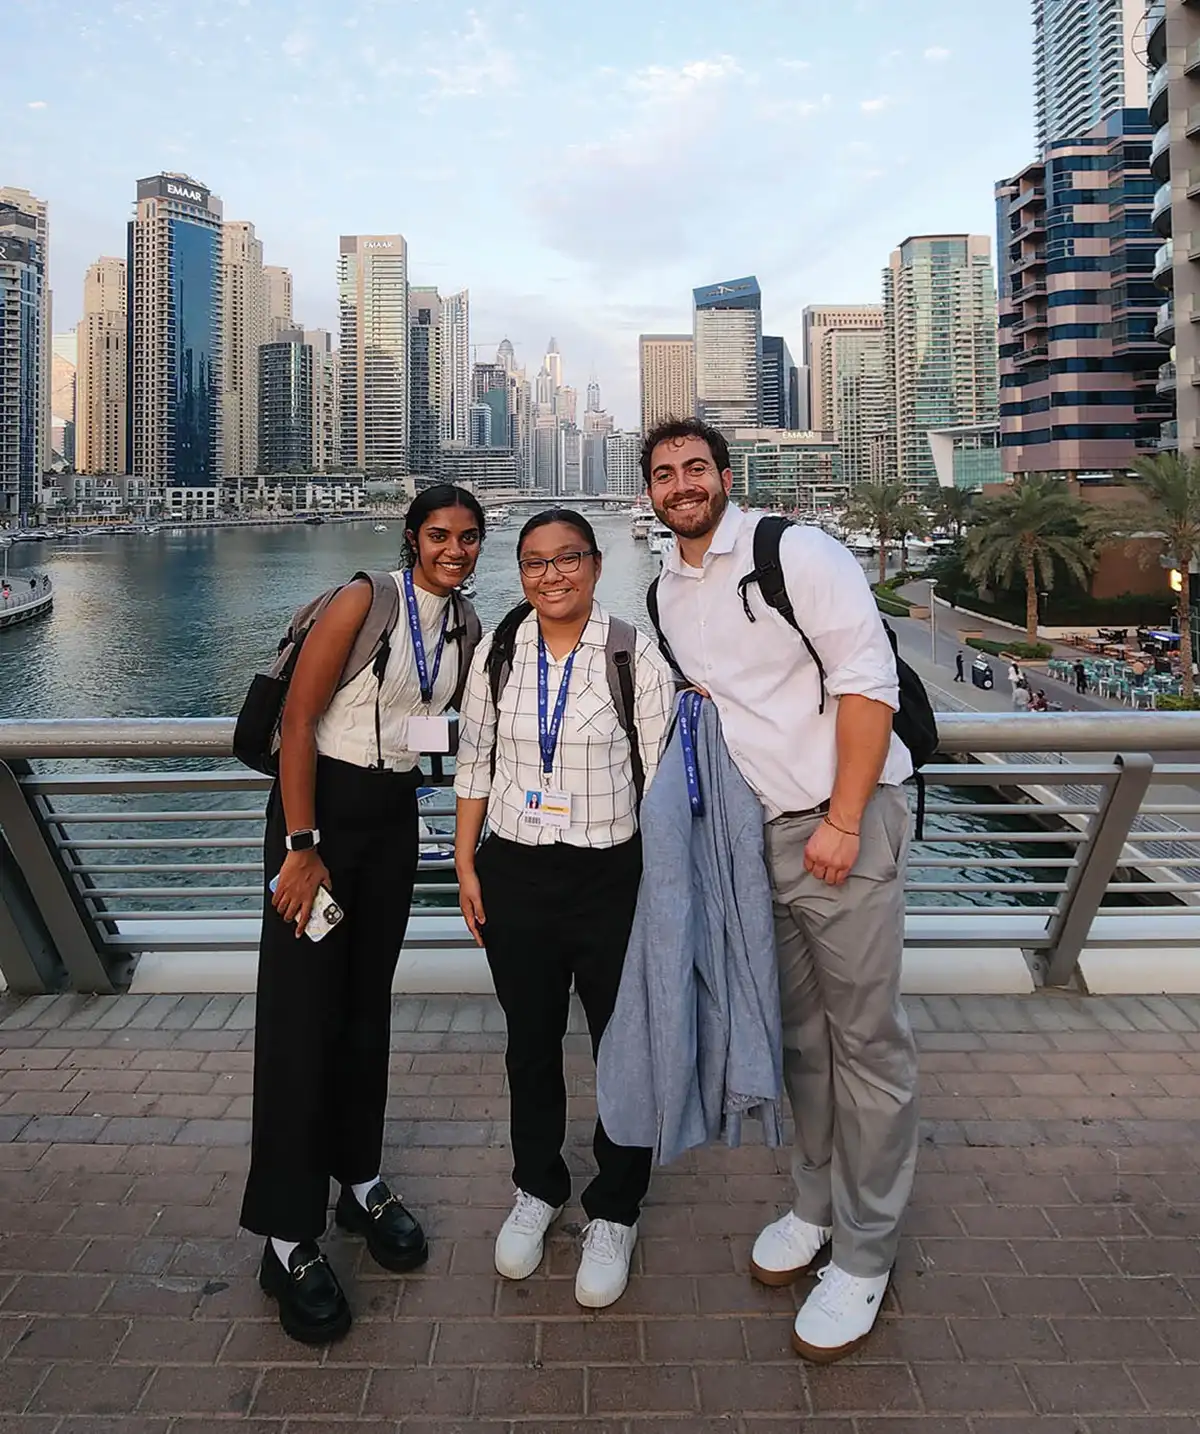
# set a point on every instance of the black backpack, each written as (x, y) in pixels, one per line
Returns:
(914, 723)
(620, 661)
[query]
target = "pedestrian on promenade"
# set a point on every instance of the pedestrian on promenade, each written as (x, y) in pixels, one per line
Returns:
(1081, 678)
(342, 820)
(556, 744)
(1021, 696)
(958, 668)
(827, 768)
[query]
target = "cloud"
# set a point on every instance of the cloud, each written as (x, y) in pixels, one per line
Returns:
(795, 109)
(296, 45)
(936, 54)
(636, 198)
(477, 64)
(873, 107)
(795, 65)
(37, 105)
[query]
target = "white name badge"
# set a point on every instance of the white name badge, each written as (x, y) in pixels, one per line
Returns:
(547, 808)
(428, 734)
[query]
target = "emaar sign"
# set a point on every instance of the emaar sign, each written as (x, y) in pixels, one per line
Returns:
(181, 191)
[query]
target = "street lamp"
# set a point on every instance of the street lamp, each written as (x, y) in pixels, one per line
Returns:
(932, 623)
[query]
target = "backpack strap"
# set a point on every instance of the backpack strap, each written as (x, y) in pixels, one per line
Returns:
(466, 632)
(620, 661)
(498, 665)
(768, 574)
(377, 626)
(663, 645)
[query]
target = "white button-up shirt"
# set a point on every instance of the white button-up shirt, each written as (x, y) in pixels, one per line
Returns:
(591, 760)
(766, 686)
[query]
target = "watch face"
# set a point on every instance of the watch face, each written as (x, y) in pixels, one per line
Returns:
(301, 841)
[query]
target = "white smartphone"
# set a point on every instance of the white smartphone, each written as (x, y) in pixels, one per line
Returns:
(326, 913)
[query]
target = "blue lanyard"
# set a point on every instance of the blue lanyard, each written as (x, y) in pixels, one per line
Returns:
(548, 727)
(418, 640)
(689, 727)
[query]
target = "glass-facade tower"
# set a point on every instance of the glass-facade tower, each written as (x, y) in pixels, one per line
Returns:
(1086, 64)
(285, 404)
(175, 309)
(22, 349)
(375, 355)
(729, 353)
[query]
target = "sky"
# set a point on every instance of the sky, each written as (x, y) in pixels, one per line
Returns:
(580, 168)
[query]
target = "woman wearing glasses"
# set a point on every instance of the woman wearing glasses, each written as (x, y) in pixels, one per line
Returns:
(546, 756)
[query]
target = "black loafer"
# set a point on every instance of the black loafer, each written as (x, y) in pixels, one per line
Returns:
(312, 1306)
(394, 1238)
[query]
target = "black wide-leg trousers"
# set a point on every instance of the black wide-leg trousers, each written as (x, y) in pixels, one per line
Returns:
(557, 914)
(322, 1030)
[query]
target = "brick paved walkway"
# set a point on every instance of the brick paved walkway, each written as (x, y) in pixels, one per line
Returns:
(1049, 1281)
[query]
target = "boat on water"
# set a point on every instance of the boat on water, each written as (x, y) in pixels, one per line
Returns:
(659, 539)
(313, 519)
(497, 517)
(381, 527)
(641, 521)
(434, 854)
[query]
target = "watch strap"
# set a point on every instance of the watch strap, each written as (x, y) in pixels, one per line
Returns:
(303, 840)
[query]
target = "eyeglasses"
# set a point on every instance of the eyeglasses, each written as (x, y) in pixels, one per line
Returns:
(565, 563)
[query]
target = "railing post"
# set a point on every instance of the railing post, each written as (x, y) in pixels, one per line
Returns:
(53, 899)
(1101, 854)
(27, 960)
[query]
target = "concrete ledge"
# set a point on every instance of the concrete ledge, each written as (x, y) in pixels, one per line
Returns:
(1141, 970)
(928, 971)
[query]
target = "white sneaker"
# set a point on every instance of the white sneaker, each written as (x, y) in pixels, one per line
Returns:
(522, 1238)
(604, 1268)
(838, 1316)
(786, 1249)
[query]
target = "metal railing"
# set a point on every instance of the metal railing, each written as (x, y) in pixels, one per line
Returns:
(1044, 832)
(22, 597)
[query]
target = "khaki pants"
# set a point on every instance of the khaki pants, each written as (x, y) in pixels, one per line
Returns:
(849, 1059)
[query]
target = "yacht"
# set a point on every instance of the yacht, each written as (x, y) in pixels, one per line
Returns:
(313, 519)
(641, 522)
(659, 539)
(381, 527)
(497, 517)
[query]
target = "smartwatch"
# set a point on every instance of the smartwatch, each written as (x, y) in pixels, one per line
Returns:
(302, 840)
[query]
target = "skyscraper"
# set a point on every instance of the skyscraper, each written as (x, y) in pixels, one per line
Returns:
(373, 299)
(325, 450)
(490, 386)
(622, 455)
(277, 282)
(100, 381)
(779, 382)
(246, 329)
(1079, 361)
(23, 383)
(285, 404)
(845, 350)
(30, 204)
(454, 347)
(175, 333)
(1086, 66)
(425, 380)
(823, 323)
(940, 358)
(728, 335)
(63, 395)
(667, 365)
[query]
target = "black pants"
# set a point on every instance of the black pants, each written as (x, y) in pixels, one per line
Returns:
(555, 913)
(323, 1022)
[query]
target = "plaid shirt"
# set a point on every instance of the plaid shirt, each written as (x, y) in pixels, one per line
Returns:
(591, 760)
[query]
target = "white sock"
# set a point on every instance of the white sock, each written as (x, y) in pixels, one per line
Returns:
(284, 1248)
(364, 1189)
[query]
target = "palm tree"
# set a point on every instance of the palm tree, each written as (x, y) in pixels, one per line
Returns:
(882, 510)
(950, 507)
(1023, 532)
(1171, 486)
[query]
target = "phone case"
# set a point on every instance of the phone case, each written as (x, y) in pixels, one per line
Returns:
(326, 914)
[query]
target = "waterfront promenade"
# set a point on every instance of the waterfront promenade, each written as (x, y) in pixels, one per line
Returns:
(24, 599)
(1049, 1280)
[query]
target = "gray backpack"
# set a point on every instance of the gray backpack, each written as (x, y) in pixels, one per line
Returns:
(256, 734)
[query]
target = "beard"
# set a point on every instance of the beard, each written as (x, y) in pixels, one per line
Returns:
(698, 521)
